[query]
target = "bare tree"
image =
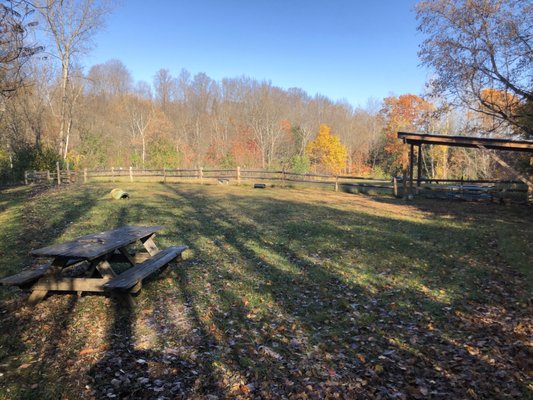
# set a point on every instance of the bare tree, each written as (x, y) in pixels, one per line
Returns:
(15, 51)
(482, 53)
(265, 117)
(110, 79)
(140, 114)
(164, 87)
(70, 25)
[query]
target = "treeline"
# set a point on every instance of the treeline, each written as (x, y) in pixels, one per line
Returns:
(185, 120)
(192, 120)
(52, 110)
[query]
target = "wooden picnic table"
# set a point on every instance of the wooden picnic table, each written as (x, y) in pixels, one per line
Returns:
(85, 264)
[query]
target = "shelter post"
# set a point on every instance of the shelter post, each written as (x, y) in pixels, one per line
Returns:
(419, 166)
(411, 162)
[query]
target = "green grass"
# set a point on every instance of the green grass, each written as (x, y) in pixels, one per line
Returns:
(288, 291)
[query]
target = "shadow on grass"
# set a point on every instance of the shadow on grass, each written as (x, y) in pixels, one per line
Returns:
(399, 328)
(22, 375)
(287, 297)
(128, 369)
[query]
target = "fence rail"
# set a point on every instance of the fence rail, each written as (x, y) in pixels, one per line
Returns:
(450, 188)
(201, 174)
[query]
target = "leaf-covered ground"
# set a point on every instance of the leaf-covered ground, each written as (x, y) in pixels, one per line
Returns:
(285, 293)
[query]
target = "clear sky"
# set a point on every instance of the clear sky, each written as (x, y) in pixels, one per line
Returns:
(343, 49)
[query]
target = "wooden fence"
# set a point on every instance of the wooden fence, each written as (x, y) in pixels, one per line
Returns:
(222, 176)
(441, 188)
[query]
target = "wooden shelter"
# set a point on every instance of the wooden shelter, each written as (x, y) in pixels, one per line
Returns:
(486, 144)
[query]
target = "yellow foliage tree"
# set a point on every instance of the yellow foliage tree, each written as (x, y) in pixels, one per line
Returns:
(326, 151)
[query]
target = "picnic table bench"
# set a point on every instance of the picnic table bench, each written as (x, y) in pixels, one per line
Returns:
(85, 264)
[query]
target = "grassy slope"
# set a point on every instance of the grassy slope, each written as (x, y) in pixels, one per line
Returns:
(283, 292)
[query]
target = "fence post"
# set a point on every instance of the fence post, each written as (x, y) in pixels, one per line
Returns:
(201, 169)
(336, 183)
(25, 177)
(529, 193)
(404, 184)
(48, 176)
(283, 176)
(394, 187)
(68, 173)
(58, 173)
(131, 173)
(84, 175)
(112, 174)
(164, 175)
(238, 175)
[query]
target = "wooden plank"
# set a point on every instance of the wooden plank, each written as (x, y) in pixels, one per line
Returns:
(25, 277)
(419, 166)
(96, 245)
(467, 141)
(70, 284)
(129, 278)
(136, 257)
(36, 296)
(105, 269)
(150, 245)
(137, 287)
(517, 174)
(127, 255)
(411, 162)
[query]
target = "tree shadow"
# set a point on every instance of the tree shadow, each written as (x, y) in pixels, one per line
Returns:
(136, 367)
(23, 374)
(401, 315)
(285, 297)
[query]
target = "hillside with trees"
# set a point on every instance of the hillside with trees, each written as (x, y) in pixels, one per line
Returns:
(54, 108)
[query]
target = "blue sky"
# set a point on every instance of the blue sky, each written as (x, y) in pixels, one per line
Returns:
(352, 50)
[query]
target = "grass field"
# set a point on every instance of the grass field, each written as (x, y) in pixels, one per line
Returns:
(284, 293)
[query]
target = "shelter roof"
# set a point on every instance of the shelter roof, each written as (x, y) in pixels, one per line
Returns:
(467, 141)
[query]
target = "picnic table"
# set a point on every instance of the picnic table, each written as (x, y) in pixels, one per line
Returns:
(85, 264)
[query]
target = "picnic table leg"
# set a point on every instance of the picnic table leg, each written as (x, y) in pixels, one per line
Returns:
(89, 274)
(126, 254)
(38, 294)
(149, 245)
(125, 299)
(164, 271)
(106, 271)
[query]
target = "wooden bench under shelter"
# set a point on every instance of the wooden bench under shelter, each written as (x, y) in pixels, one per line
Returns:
(85, 264)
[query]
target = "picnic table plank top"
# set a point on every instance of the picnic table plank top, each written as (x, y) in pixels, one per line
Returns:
(97, 244)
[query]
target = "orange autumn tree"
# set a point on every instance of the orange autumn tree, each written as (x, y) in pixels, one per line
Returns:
(496, 103)
(327, 152)
(407, 112)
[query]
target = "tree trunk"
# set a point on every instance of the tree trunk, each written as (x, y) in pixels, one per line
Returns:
(63, 110)
(143, 149)
(67, 137)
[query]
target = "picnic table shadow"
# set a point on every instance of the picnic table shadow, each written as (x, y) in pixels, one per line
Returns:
(127, 372)
(16, 316)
